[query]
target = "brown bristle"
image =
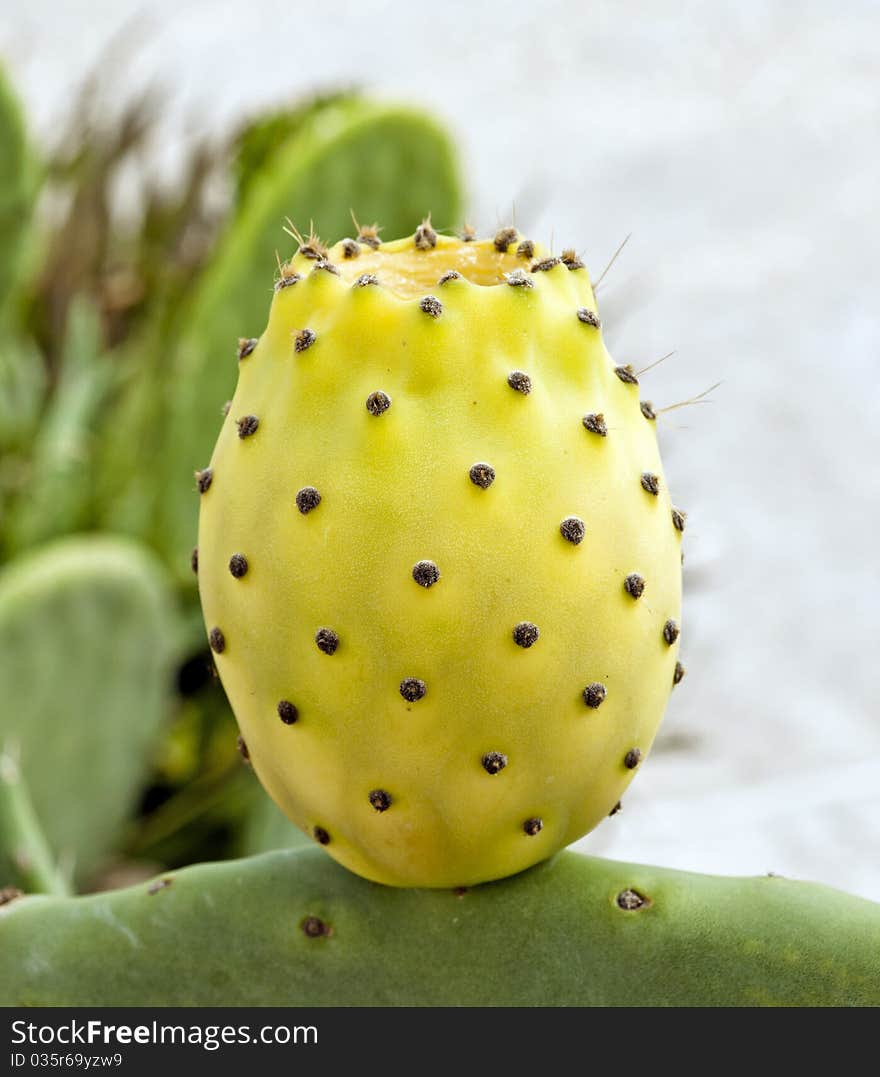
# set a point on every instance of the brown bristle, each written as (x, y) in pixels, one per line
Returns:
(648, 409)
(204, 478)
(303, 339)
(468, 233)
(630, 900)
(482, 475)
(595, 423)
(432, 306)
(545, 264)
(238, 565)
(526, 250)
(573, 530)
(380, 800)
(287, 278)
(650, 483)
(587, 316)
(322, 264)
(634, 585)
(425, 573)
(307, 499)
(367, 234)
(309, 247)
(378, 402)
(350, 248)
(632, 758)
(245, 346)
(626, 374)
(503, 238)
(526, 634)
(413, 689)
(493, 762)
(315, 928)
(425, 237)
(594, 694)
(247, 426)
(287, 712)
(519, 381)
(516, 278)
(327, 640)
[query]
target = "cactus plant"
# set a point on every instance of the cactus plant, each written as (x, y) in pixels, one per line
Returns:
(450, 723)
(292, 928)
(438, 560)
(86, 634)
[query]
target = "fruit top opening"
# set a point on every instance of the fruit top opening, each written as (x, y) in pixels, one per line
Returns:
(410, 273)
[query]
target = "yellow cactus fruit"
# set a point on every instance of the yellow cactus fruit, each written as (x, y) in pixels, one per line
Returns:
(438, 560)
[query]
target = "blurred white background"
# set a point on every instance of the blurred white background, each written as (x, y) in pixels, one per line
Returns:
(739, 143)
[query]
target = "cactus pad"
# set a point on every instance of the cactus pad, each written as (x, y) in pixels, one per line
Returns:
(294, 929)
(469, 594)
(86, 637)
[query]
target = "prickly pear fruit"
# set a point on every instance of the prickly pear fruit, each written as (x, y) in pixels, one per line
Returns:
(438, 560)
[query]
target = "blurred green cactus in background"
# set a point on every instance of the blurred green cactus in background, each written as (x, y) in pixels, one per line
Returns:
(87, 638)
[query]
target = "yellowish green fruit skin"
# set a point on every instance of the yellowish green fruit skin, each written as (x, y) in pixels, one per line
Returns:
(395, 490)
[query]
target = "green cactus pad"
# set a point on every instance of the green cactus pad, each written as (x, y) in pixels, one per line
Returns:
(292, 928)
(382, 162)
(269, 133)
(437, 558)
(86, 634)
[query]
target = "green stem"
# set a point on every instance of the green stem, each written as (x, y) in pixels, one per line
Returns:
(25, 858)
